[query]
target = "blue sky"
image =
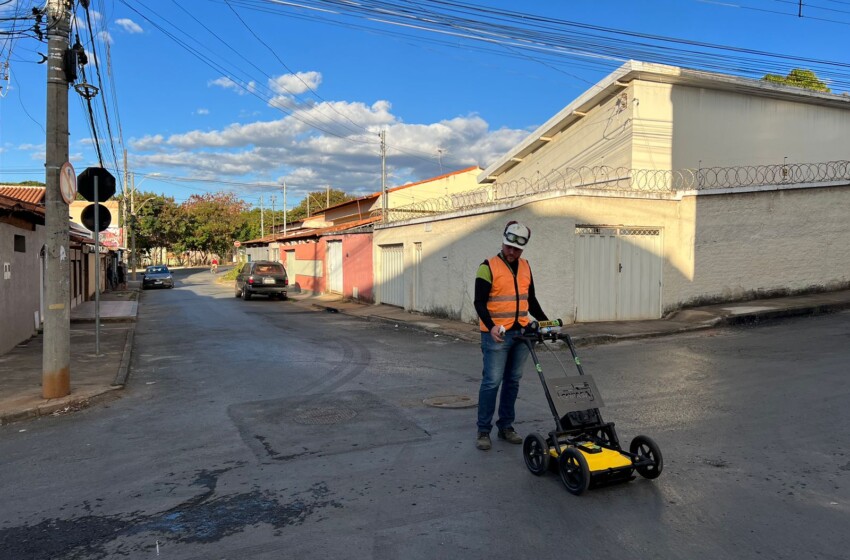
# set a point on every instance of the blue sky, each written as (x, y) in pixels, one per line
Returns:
(299, 95)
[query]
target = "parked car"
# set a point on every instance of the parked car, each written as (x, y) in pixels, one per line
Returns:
(157, 276)
(267, 278)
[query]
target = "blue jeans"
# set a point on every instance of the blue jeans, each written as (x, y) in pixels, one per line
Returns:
(503, 362)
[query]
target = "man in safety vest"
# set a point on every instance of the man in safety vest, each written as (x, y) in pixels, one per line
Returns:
(504, 300)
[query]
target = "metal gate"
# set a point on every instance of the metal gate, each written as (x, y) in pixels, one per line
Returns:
(618, 273)
(335, 266)
(417, 276)
(392, 275)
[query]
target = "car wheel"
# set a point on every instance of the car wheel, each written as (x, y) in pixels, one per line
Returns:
(246, 295)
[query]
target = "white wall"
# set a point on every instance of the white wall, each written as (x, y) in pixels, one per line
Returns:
(19, 295)
(602, 138)
(716, 247)
(728, 129)
(749, 243)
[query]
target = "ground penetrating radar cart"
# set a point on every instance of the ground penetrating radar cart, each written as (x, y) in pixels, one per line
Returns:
(582, 448)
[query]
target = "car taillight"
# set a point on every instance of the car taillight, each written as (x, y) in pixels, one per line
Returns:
(286, 281)
(251, 280)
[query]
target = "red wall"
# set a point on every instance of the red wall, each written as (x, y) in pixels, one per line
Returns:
(356, 265)
(311, 251)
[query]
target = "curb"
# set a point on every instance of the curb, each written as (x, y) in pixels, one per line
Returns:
(124, 367)
(71, 404)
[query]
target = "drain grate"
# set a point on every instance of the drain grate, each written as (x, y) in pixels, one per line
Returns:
(323, 415)
(451, 401)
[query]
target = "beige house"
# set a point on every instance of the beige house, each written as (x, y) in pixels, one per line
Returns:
(658, 188)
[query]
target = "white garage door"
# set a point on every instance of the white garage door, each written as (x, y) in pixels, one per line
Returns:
(335, 266)
(618, 273)
(392, 275)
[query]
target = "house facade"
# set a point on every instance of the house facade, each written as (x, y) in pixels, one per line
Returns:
(657, 189)
(22, 240)
(22, 237)
(331, 251)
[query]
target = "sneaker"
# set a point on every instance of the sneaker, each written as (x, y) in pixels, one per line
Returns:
(483, 441)
(510, 435)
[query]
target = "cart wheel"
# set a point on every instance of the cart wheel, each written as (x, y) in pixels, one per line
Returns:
(574, 471)
(645, 448)
(535, 450)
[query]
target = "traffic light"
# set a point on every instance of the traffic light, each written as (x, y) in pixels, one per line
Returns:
(96, 181)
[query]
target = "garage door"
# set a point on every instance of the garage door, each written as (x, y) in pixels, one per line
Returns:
(335, 267)
(392, 275)
(618, 273)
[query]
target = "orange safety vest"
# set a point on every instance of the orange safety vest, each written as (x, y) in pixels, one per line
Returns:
(508, 293)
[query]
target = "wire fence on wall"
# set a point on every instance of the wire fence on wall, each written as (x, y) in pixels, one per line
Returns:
(626, 180)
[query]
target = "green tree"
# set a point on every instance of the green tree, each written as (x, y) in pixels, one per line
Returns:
(28, 184)
(799, 78)
(317, 201)
(160, 223)
(215, 220)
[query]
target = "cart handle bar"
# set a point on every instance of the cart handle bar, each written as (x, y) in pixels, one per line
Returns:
(538, 331)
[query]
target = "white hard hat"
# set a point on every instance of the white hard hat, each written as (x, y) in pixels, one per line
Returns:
(516, 235)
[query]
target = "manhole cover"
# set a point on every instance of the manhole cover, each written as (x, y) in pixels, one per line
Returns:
(325, 415)
(451, 401)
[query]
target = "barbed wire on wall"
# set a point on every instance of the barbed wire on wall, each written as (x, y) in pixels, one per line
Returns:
(623, 179)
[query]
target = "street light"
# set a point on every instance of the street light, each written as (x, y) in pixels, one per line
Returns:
(133, 211)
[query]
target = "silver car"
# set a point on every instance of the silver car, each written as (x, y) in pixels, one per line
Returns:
(157, 276)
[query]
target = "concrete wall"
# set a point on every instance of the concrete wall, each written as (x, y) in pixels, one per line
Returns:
(432, 188)
(766, 242)
(20, 297)
(602, 138)
(357, 266)
(715, 247)
(453, 248)
(722, 128)
(309, 266)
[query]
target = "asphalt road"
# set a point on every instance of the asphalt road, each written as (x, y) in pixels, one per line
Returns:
(264, 430)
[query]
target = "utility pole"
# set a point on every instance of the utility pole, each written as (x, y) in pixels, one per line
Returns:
(124, 206)
(284, 208)
(56, 355)
(274, 199)
(328, 197)
(133, 224)
(384, 176)
(262, 229)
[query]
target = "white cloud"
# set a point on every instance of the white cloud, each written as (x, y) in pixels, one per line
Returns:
(227, 83)
(202, 111)
(147, 143)
(326, 143)
(295, 84)
(105, 37)
(129, 25)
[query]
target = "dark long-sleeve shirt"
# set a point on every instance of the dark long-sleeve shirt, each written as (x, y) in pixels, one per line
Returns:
(482, 295)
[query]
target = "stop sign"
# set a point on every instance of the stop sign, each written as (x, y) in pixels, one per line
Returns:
(237, 243)
(105, 184)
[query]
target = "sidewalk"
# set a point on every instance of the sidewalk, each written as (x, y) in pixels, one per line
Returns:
(94, 378)
(584, 334)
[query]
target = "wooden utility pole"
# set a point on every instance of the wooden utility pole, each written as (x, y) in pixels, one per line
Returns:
(284, 208)
(56, 355)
